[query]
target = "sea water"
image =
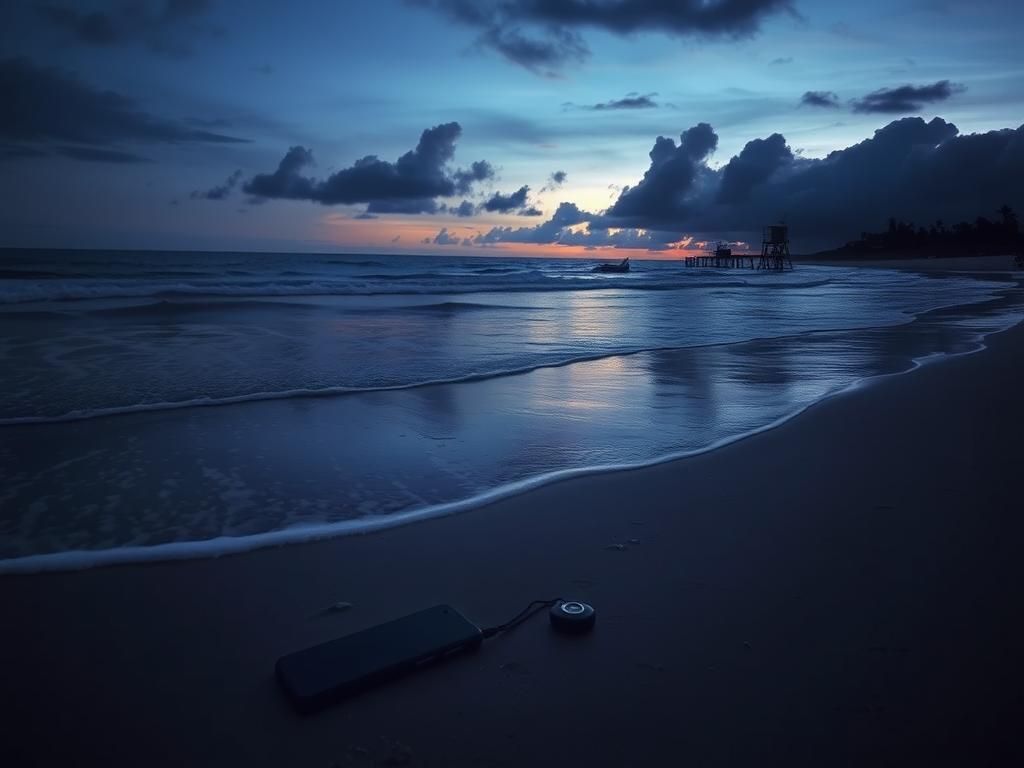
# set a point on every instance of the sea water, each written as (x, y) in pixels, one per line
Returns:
(157, 405)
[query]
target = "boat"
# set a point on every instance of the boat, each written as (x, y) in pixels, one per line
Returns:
(622, 266)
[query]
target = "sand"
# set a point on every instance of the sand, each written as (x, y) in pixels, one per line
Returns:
(845, 589)
(940, 264)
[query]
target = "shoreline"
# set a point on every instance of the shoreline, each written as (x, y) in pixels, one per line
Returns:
(69, 561)
(813, 594)
(918, 263)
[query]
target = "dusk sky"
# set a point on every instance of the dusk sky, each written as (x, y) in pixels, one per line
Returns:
(248, 126)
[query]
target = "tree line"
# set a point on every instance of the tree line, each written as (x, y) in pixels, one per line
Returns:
(980, 237)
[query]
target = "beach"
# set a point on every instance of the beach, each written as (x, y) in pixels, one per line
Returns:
(842, 589)
(978, 264)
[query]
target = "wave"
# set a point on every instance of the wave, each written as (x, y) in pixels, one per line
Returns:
(453, 306)
(228, 545)
(336, 391)
(165, 307)
(32, 291)
(498, 270)
(206, 401)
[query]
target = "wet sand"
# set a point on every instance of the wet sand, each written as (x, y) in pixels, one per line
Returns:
(845, 589)
(921, 264)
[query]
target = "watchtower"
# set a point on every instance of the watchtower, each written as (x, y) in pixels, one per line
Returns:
(775, 248)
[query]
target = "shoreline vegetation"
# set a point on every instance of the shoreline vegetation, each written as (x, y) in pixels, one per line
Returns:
(903, 240)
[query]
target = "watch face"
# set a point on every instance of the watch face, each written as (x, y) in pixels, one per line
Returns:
(573, 608)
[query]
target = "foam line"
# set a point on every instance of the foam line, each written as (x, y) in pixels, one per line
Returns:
(227, 545)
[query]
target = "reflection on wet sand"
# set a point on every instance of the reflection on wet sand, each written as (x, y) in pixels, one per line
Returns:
(152, 478)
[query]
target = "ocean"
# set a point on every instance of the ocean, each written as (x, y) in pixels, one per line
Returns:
(168, 405)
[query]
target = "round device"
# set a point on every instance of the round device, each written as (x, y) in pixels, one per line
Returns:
(572, 616)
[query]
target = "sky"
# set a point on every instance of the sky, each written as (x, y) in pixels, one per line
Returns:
(501, 126)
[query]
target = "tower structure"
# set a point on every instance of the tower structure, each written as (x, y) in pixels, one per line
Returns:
(775, 248)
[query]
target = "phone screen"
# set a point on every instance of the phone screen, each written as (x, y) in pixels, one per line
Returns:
(325, 673)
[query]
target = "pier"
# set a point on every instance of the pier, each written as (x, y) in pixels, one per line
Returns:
(720, 256)
(774, 253)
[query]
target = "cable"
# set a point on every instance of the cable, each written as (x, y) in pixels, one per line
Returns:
(530, 610)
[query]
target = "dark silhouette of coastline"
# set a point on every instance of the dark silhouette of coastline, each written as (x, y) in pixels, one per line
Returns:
(902, 239)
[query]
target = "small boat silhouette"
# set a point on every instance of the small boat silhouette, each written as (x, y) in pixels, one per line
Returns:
(622, 266)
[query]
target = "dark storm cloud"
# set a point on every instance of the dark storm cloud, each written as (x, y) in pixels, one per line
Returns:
(45, 106)
(499, 203)
(911, 169)
(166, 27)
(542, 56)
(286, 181)
(820, 99)
(673, 173)
(758, 160)
(481, 170)
(906, 98)
(629, 101)
(411, 184)
(465, 208)
(412, 205)
(553, 25)
(221, 191)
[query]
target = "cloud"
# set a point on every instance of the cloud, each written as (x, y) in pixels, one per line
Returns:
(285, 182)
(906, 98)
(500, 203)
(98, 155)
(629, 101)
(444, 238)
(55, 108)
(465, 208)
(567, 215)
(673, 174)
(562, 229)
(221, 191)
(481, 170)
(911, 169)
(409, 185)
(543, 35)
(544, 57)
(166, 28)
(820, 99)
(555, 180)
(781, 60)
(755, 164)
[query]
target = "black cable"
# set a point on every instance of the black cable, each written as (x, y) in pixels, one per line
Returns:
(519, 618)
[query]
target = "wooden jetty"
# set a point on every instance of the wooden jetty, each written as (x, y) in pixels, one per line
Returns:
(719, 256)
(774, 253)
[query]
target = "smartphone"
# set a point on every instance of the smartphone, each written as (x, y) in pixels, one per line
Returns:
(327, 673)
